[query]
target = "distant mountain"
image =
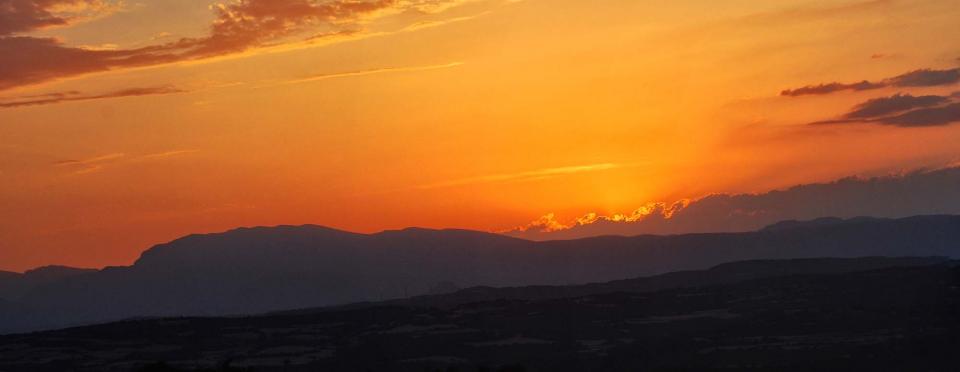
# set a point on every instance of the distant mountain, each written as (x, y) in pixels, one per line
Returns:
(796, 315)
(915, 193)
(15, 285)
(7, 275)
(48, 274)
(257, 270)
(794, 224)
(8, 281)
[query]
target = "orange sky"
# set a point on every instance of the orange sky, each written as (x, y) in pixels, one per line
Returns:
(152, 119)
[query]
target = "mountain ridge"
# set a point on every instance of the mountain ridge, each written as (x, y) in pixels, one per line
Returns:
(256, 270)
(781, 225)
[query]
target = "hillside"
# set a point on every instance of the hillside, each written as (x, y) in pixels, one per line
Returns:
(890, 319)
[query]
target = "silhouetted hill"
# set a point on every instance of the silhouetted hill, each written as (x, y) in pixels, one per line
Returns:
(14, 285)
(815, 316)
(8, 281)
(257, 270)
(826, 221)
(7, 275)
(52, 273)
(717, 275)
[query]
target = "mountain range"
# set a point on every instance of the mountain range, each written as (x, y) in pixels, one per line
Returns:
(257, 270)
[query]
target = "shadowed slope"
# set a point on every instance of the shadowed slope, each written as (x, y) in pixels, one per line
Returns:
(818, 314)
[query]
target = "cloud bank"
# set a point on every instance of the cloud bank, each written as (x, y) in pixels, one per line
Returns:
(916, 193)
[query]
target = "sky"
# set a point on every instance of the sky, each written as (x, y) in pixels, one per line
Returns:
(124, 124)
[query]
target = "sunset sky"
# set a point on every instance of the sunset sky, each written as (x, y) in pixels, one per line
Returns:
(129, 123)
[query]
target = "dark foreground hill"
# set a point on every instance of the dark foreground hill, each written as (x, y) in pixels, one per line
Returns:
(719, 275)
(817, 316)
(256, 270)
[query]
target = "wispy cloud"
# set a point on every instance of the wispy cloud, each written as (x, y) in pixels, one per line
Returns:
(90, 165)
(524, 176)
(167, 154)
(437, 23)
(917, 78)
(73, 96)
(374, 71)
(98, 163)
(93, 160)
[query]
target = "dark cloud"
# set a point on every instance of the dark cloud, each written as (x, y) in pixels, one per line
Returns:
(934, 116)
(238, 27)
(903, 110)
(29, 60)
(830, 88)
(27, 15)
(251, 23)
(926, 78)
(918, 78)
(59, 97)
(894, 104)
(916, 193)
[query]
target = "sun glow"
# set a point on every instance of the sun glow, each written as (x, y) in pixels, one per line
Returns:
(124, 125)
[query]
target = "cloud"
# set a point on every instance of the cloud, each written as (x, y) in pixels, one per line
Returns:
(319, 77)
(17, 16)
(550, 224)
(934, 116)
(90, 161)
(918, 78)
(238, 27)
(546, 223)
(167, 154)
(72, 96)
(926, 78)
(90, 165)
(251, 23)
(890, 105)
(830, 88)
(437, 23)
(903, 110)
(914, 193)
(98, 163)
(524, 176)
